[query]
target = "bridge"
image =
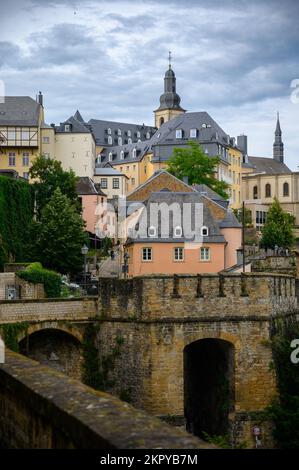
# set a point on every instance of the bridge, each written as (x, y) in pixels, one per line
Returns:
(192, 350)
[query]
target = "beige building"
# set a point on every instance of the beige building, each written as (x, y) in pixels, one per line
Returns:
(264, 179)
(23, 133)
(112, 182)
(75, 146)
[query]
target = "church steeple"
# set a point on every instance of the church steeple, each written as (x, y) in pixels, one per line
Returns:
(170, 100)
(278, 151)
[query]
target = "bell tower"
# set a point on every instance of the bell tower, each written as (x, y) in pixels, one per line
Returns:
(170, 101)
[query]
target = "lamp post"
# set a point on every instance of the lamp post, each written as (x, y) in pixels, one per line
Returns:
(125, 267)
(84, 251)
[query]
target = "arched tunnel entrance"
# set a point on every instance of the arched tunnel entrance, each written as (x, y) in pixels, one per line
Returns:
(208, 386)
(56, 349)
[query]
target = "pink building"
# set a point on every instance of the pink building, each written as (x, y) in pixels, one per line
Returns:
(183, 233)
(94, 202)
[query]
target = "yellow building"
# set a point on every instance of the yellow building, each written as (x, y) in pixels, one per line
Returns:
(23, 133)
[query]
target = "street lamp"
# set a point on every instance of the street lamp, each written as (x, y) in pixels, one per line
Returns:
(84, 251)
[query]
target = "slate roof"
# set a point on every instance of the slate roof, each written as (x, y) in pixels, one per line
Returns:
(180, 199)
(210, 193)
(268, 166)
(166, 135)
(230, 221)
(77, 127)
(100, 131)
(86, 187)
(19, 111)
(108, 172)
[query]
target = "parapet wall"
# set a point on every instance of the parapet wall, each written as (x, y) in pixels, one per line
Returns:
(199, 297)
(42, 408)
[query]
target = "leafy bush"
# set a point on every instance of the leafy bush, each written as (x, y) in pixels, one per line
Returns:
(35, 273)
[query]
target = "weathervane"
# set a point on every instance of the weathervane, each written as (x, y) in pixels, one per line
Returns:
(169, 59)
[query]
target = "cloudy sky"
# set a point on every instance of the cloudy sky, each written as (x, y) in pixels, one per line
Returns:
(233, 59)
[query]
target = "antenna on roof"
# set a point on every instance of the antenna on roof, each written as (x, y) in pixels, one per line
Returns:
(169, 59)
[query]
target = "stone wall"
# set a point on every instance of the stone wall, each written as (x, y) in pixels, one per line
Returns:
(47, 310)
(42, 408)
(27, 290)
(275, 264)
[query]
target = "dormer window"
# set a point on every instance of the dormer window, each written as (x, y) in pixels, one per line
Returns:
(110, 157)
(129, 140)
(134, 153)
(119, 141)
(109, 131)
(178, 232)
(204, 231)
(148, 135)
(129, 133)
(152, 231)
(118, 131)
(67, 128)
(138, 134)
(122, 155)
(193, 133)
(109, 140)
(179, 134)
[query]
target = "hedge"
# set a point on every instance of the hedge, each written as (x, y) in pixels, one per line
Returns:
(16, 212)
(35, 273)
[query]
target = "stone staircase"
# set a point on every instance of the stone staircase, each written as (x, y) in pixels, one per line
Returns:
(109, 267)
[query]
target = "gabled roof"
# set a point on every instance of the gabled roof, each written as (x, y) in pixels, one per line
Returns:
(268, 166)
(19, 111)
(86, 187)
(77, 127)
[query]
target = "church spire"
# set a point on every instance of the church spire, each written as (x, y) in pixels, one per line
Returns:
(278, 150)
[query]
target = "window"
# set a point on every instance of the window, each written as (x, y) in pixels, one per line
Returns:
(119, 141)
(205, 254)
(178, 231)
(11, 135)
(110, 157)
(193, 133)
(268, 190)
(129, 140)
(115, 183)
(129, 133)
(204, 231)
(11, 159)
(67, 128)
(109, 140)
(179, 134)
(104, 183)
(133, 181)
(147, 254)
(46, 140)
(152, 231)
(134, 152)
(26, 159)
(122, 155)
(127, 168)
(109, 133)
(260, 218)
(286, 190)
(26, 175)
(255, 192)
(178, 253)
(148, 135)
(138, 134)
(118, 131)
(161, 121)
(134, 167)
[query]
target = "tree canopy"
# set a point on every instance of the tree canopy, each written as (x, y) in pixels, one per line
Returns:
(278, 229)
(193, 163)
(49, 175)
(59, 235)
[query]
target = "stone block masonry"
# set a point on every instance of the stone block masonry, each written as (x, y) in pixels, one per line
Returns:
(43, 409)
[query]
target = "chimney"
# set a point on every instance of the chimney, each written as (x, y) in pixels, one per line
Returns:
(242, 144)
(40, 98)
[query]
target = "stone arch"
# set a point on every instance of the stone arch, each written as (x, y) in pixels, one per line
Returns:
(209, 382)
(54, 344)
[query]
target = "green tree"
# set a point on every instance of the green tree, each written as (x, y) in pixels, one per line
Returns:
(197, 166)
(278, 229)
(59, 236)
(247, 213)
(49, 175)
